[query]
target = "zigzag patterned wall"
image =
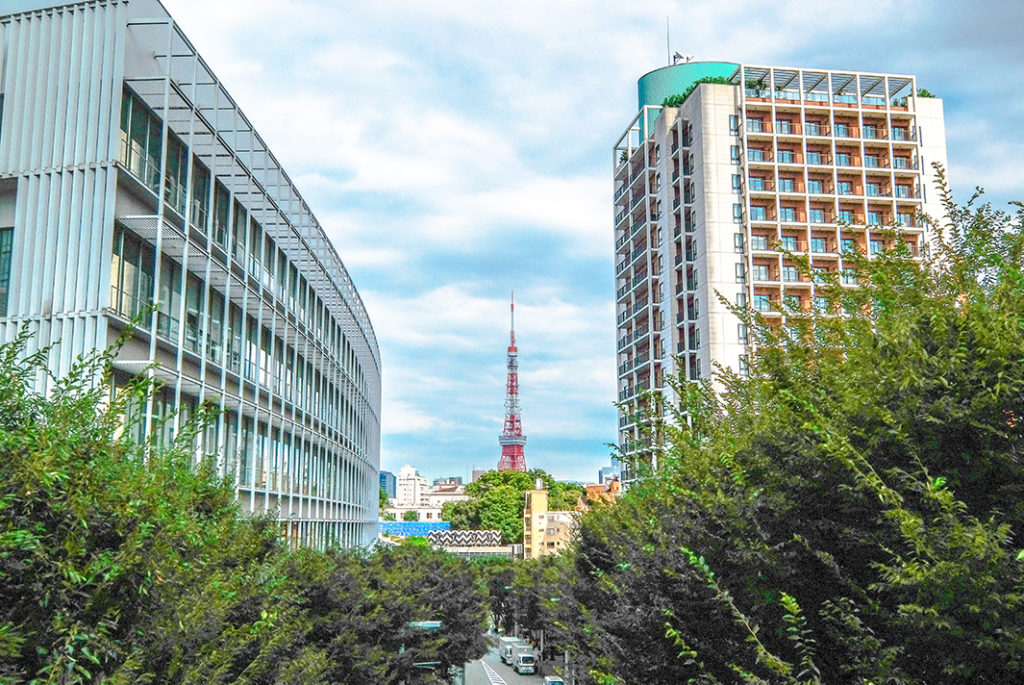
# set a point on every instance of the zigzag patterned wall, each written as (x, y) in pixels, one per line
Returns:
(465, 538)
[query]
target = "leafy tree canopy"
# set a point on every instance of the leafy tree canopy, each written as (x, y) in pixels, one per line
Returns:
(497, 499)
(124, 563)
(852, 511)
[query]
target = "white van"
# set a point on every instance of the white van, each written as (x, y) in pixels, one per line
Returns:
(553, 680)
(525, 662)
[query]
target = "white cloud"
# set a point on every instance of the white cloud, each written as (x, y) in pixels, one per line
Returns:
(433, 140)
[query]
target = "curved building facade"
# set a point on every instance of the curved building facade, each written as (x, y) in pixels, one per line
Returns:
(129, 176)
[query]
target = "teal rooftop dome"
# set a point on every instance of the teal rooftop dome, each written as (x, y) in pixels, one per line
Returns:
(654, 86)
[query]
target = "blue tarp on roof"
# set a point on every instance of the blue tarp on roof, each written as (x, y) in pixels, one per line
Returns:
(412, 529)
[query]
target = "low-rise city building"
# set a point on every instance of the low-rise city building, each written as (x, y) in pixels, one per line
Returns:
(545, 531)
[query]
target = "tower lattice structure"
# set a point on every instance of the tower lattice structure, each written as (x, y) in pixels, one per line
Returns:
(512, 440)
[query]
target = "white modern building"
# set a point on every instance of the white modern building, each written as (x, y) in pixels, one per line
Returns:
(411, 488)
(129, 176)
(728, 171)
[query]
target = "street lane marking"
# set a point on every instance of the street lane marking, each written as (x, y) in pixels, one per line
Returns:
(492, 675)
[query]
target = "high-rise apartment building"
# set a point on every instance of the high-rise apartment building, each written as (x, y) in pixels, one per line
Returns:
(715, 190)
(129, 176)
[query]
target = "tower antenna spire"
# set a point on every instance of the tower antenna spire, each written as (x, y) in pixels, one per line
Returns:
(512, 440)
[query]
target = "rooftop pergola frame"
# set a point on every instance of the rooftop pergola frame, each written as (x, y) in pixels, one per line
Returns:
(180, 87)
(831, 84)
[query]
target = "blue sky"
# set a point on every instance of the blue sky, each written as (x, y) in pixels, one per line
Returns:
(454, 151)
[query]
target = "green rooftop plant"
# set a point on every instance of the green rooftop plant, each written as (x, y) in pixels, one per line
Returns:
(678, 100)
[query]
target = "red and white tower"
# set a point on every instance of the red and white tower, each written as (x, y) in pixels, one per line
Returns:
(512, 439)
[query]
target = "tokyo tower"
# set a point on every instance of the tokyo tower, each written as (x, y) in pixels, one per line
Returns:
(512, 439)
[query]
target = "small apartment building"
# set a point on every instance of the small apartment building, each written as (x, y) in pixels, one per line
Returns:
(545, 531)
(129, 177)
(719, 195)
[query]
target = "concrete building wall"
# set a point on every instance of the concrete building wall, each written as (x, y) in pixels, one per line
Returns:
(711, 195)
(116, 140)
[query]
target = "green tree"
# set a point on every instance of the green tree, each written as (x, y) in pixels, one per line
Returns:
(497, 499)
(411, 516)
(383, 500)
(128, 563)
(850, 512)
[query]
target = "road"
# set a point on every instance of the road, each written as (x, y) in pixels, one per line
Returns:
(491, 671)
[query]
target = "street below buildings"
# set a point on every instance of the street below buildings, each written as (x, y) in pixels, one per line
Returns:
(489, 670)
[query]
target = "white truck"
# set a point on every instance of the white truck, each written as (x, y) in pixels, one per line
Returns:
(507, 648)
(524, 661)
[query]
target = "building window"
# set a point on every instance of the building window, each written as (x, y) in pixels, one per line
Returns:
(783, 126)
(741, 332)
(821, 303)
(814, 186)
(877, 246)
(873, 189)
(843, 159)
(221, 217)
(6, 254)
(754, 125)
(758, 213)
(140, 141)
(762, 303)
(734, 127)
(176, 175)
(131, 275)
(790, 274)
(785, 185)
(200, 195)
(786, 157)
(761, 272)
(741, 273)
(788, 242)
(744, 365)
(818, 245)
(787, 214)
(817, 216)
(734, 153)
(846, 216)
(842, 131)
(755, 155)
(759, 242)
(849, 245)
(872, 161)
(904, 218)
(902, 191)
(737, 242)
(874, 218)
(735, 181)
(813, 157)
(737, 212)
(741, 300)
(845, 187)
(849, 276)
(756, 183)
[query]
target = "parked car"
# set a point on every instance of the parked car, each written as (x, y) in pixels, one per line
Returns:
(553, 680)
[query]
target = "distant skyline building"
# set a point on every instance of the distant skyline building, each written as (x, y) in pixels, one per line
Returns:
(129, 177)
(410, 488)
(388, 483)
(512, 440)
(719, 194)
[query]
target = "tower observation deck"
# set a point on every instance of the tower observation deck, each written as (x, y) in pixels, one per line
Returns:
(512, 440)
